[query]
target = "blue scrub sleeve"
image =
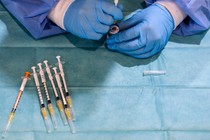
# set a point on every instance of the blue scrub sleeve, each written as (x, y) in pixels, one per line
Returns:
(198, 19)
(199, 13)
(32, 14)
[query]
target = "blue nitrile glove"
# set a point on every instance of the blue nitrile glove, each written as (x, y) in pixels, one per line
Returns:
(143, 34)
(91, 19)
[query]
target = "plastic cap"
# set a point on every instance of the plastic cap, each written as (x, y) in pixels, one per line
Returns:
(27, 74)
(54, 68)
(33, 67)
(58, 57)
(45, 61)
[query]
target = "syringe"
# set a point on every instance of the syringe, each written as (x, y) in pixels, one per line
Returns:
(68, 97)
(116, 2)
(154, 72)
(114, 28)
(43, 109)
(67, 110)
(11, 116)
(49, 104)
(58, 100)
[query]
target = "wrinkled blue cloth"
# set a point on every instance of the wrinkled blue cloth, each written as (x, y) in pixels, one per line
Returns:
(33, 15)
(111, 97)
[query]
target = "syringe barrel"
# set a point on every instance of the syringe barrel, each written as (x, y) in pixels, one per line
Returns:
(25, 79)
(57, 77)
(48, 69)
(50, 77)
(41, 72)
(17, 101)
(62, 73)
(35, 76)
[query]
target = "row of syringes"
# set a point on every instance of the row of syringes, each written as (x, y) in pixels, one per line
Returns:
(64, 104)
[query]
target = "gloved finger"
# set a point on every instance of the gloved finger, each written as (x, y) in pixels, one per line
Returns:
(132, 21)
(157, 47)
(111, 9)
(140, 53)
(125, 35)
(132, 53)
(105, 19)
(93, 36)
(120, 6)
(88, 32)
(102, 17)
(149, 46)
(131, 45)
(152, 46)
(137, 53)
(145, 54)
(98, 27)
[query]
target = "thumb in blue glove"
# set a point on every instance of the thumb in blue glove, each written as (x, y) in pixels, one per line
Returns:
(143, 34)
(91, 19)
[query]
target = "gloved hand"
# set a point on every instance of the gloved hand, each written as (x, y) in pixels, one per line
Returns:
(91, 19)
(144, 34)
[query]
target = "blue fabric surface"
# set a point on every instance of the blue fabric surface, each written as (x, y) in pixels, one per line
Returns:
(111, 97)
